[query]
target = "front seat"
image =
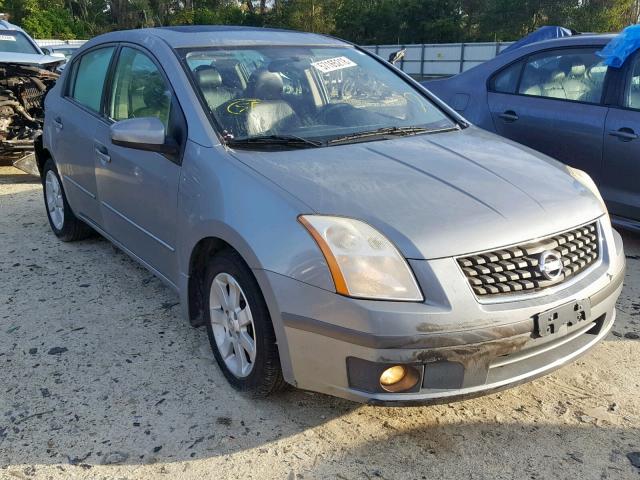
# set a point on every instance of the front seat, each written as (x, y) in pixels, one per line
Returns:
(210, 82)
(270, 111)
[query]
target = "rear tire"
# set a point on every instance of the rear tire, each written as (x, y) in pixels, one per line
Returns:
(66, 226)
(239, 326)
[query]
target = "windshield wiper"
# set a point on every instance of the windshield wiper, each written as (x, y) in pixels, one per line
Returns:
(382, 132)
(292, 141)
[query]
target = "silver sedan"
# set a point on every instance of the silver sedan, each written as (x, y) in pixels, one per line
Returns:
(331, 223)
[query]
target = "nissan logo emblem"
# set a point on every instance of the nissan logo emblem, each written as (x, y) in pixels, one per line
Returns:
(550, 264)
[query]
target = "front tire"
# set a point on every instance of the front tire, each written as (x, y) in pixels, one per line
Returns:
(239, 327)
(66, 226)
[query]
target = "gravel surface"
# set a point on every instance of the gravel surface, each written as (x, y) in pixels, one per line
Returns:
(101, 378)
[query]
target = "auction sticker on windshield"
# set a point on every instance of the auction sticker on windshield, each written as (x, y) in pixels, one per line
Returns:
(10, 38)
(333, 64)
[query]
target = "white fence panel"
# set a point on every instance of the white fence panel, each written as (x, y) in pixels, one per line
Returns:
(421, 60)
(444, 59)
(47, 42)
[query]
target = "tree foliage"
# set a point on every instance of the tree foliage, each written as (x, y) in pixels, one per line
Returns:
(361, 21)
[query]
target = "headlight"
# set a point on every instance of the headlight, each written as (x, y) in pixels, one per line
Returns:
(362, 261)
(587, 182)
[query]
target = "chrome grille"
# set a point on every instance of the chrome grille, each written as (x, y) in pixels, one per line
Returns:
(517, 269)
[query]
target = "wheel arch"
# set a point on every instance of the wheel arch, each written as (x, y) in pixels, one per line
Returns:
(205, 248)
(42, 154)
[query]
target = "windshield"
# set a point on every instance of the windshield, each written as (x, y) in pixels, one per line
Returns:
(16, 42)
(309, 93)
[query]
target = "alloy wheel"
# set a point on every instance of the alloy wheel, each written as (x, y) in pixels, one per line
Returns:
(55, 202)
(232, 325)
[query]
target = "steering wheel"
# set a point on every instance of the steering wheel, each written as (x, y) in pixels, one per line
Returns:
(334, 113)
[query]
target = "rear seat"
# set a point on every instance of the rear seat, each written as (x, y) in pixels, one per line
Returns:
(553, 88)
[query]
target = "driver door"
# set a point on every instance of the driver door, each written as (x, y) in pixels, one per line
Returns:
(138, 190)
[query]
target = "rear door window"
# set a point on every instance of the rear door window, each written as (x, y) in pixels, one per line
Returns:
(89, 75)
(575, 74)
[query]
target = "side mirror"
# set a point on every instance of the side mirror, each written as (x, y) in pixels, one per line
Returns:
(147, 133)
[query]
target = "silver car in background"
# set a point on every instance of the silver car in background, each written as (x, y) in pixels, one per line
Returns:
(334, 225)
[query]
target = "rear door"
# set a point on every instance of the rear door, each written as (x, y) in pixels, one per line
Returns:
(138, 190)
(76, 115)
(555, 106)
(620, 184)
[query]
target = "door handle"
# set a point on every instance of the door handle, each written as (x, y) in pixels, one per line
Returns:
(624, 134)
(509, 116)
(102, 153)
(57, 122)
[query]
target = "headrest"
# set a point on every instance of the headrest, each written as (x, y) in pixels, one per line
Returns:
(265, 85)
(578, 70)
(208, 77)
(557, 76)
(597, 72)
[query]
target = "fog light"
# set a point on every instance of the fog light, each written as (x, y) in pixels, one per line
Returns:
(392, 375)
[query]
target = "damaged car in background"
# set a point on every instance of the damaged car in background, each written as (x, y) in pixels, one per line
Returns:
(26, 75)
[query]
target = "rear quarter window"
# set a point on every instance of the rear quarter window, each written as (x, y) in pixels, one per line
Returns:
(506, 80)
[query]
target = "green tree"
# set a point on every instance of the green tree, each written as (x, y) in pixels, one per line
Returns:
(361, 21)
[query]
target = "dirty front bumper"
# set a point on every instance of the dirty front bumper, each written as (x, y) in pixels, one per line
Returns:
(459, 347)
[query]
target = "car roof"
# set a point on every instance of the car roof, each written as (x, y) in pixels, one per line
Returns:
(218, 35)
(4, 25)
(582, 39)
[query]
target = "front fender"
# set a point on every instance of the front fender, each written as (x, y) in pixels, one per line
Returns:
(220, 197)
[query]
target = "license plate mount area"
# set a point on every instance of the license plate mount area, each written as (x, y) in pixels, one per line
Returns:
(570, 314)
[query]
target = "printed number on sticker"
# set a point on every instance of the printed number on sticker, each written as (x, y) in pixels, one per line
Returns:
(332, 64)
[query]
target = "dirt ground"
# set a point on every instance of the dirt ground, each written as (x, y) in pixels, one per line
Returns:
(100, 378)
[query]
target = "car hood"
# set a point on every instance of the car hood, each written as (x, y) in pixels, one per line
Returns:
(435, 195)
(28, 59)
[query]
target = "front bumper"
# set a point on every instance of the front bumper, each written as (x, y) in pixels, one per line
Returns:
(461, 347)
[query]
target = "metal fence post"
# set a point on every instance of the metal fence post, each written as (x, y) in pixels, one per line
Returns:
(461, 58)
(422, 62)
